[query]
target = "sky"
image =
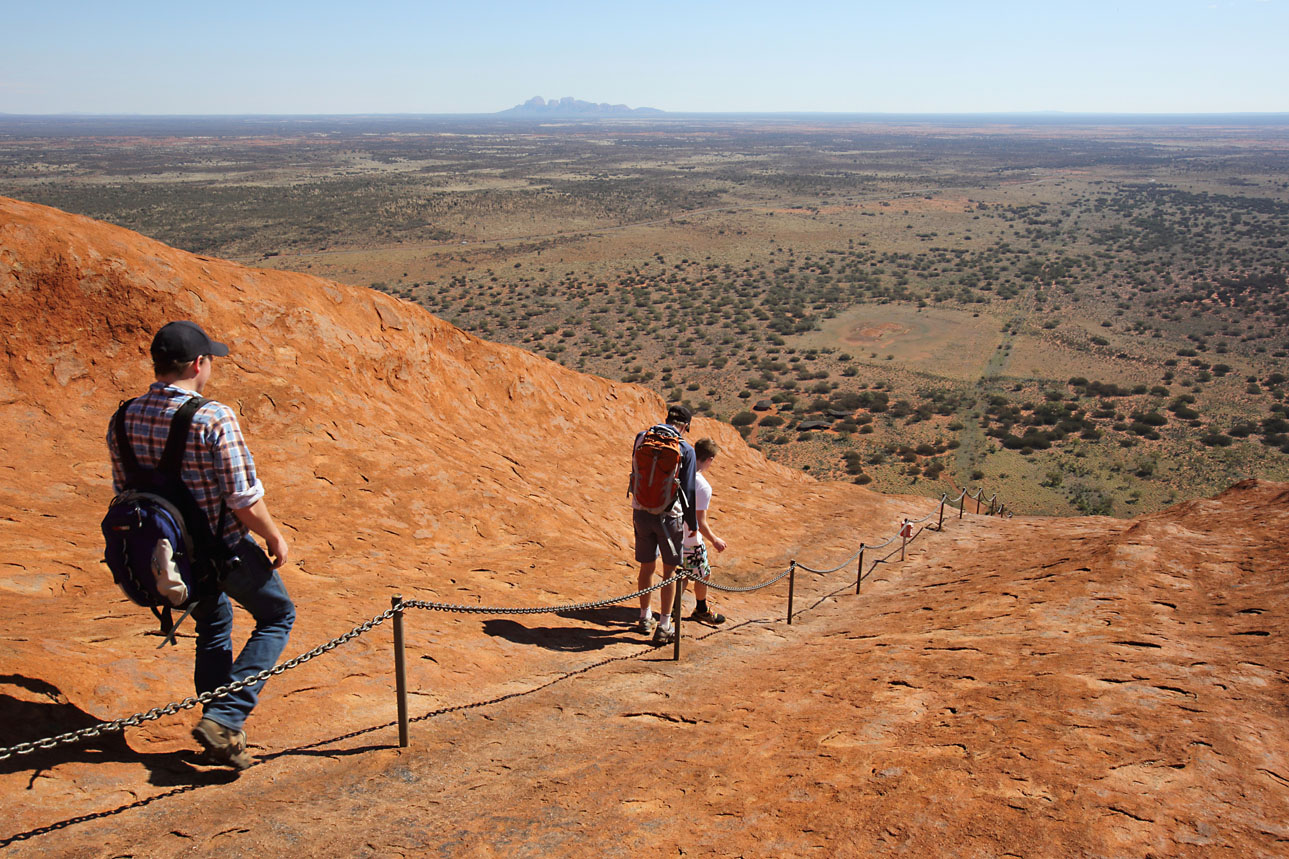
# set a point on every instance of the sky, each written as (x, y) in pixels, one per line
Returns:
(481, 56)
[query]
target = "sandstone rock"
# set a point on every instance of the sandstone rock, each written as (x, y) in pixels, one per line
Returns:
(1027, 686)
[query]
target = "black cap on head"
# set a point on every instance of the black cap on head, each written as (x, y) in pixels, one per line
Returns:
(679, 414)
(184, 341)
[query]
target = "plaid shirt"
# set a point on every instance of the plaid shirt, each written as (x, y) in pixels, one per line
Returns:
(217, 464)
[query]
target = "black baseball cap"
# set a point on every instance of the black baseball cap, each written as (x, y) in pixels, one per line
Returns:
(183, 341)
(679, 414)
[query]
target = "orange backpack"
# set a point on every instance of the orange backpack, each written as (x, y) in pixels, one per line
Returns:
(655, 465)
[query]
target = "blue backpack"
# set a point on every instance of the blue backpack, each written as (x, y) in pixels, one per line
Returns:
(157, 540)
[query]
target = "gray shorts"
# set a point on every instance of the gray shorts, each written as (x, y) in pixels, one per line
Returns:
(656, 535)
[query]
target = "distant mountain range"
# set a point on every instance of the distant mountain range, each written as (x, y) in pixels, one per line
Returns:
(568, 106)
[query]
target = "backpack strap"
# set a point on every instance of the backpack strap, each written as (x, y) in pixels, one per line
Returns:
(172, 456)
(172, 462)
(129, 463)
(170, 626)
(176, 441)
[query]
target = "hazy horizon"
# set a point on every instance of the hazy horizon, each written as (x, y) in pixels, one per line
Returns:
(146, 58)
(666, 114)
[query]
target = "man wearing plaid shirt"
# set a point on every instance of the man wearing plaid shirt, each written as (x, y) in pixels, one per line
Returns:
(219, 471)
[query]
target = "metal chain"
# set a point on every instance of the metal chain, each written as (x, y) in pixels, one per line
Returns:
(734, 590)
(845, 563)
(237, 685)
(192, 701)
(884, 545)
(865, 546)
(481, 609)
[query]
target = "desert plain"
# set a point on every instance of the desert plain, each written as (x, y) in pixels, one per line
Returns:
(443, 339)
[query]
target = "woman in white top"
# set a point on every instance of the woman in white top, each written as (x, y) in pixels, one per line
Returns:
(694, 558)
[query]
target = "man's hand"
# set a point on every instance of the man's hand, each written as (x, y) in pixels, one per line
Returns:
(257, 519)
(718, 544)
(278, 550)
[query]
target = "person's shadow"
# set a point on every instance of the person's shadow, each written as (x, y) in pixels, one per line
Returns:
(612, 624)
(47, 713)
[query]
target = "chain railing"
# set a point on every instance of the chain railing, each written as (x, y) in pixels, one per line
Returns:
(906, 534)
(555, 609)
(116, 725)
(731, 589)
(842, 565)
(192, 701)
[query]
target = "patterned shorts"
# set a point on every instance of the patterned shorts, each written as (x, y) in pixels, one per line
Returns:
(694, 562)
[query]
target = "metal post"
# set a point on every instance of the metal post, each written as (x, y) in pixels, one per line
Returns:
(675, 617)
(859, 573)
(400, 671)
(940, 525)
(904, 541)
(792, 587)
(978, 497)
(991, 504)
(962, 503)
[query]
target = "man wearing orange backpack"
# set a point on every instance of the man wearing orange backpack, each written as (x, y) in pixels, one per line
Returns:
(663, 466)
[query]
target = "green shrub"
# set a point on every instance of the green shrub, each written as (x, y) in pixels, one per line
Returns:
(1154, 419)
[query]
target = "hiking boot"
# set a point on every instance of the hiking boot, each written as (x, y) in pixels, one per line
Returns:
(645, 626)
(708, 617)
(223, 745)
(664, 635)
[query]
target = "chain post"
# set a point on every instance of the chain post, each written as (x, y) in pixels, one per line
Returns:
(978, 497)
(676, 606)
(939, 526)
(859, 572)
(962, 503)
(400, 670)
(792, 587)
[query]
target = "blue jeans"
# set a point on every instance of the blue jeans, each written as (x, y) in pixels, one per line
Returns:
(256, 587)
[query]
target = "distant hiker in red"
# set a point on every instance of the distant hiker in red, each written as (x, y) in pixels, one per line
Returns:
(663, 467)
(694, 561)
(219, 473)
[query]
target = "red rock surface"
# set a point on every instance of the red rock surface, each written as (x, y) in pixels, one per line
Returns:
(1032, 687)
